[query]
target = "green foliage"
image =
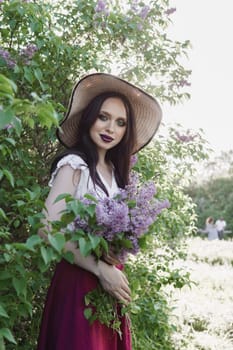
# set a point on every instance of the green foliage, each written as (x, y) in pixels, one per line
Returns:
(171, 163)
(150, 311)
(44, 47)
(105, 309)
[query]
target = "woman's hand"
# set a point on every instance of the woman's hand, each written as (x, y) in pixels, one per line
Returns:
(114, 282)
(111, 258)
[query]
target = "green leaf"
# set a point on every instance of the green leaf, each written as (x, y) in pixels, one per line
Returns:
(20, 286)
(47, 115)
(6, 117)
(89, 196)
(17, 124)
(7, 86)
(57, 241)
(77, 207)
(65, 196)
(3, 312)
(33, 241)
(95, 240)
(11, 141)
(28, 74)
(45, 255)
(6, 333)
(84, 246)
(32, 194)
(3, 215)
(88, 313)
(2, 345)
(67, 218)
(69, 256)
(4, 275)
(90, 209)
(38, 74)
(104, 244)
(126, 243)
(9, 177)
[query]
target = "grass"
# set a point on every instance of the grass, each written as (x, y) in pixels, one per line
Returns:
(203, 314)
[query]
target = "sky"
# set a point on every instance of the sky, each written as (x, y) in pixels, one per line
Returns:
(208, 25)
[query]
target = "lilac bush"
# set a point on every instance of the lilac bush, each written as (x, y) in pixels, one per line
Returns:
(28, 52)
(6, 56)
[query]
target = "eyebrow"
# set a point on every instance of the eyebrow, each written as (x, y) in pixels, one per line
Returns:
(110, 115)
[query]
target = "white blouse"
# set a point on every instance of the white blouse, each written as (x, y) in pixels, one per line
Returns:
(85, 182)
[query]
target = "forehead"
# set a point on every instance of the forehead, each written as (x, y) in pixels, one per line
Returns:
(114, 105)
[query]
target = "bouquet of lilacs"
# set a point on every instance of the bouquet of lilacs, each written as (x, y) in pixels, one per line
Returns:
(120, 225)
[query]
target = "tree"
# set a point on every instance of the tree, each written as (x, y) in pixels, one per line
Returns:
(214, 198)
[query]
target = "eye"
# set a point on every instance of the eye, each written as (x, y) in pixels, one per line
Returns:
(121, 122)
(102, 117)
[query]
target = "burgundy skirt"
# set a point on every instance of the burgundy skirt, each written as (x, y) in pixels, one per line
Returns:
(64, 326)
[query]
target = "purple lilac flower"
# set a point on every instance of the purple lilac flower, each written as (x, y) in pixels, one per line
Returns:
(7, 58)
(123, 253)
(140, 26)
(158, 207)
(135, 249)
(185, 137)
(144, 12)
(80, 223)
(101, 7)
(28, 52)
(146, 193)
(170, 11)
(113, 215)
(133, 160)
(132, 187)
(184, 82)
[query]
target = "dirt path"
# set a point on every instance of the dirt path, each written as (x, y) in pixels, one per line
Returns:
(205, 311)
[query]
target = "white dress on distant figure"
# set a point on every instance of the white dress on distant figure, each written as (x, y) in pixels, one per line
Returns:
(212, 231)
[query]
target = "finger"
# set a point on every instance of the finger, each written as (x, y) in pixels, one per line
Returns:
(114, 258)
(111, 261)
(126, 289)
(122, 296)
(125, 279)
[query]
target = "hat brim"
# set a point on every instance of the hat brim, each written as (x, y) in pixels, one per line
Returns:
(146, 109)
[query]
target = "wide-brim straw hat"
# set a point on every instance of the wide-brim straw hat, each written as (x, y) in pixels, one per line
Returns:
(146, 109)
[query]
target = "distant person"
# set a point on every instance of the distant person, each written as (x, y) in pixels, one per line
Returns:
(211, 229)
(221, 225)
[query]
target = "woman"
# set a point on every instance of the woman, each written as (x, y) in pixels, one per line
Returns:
(211, 229)
(108, 120)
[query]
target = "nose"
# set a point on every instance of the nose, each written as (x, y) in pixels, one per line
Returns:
(110, 126)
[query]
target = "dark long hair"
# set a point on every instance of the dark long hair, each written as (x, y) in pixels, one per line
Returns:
(87, 150)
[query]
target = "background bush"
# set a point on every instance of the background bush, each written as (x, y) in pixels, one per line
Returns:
(44, 47)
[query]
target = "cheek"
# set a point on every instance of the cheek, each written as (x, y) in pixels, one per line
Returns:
(94, 127)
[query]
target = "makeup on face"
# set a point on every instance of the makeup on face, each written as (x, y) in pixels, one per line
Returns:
(110, 125)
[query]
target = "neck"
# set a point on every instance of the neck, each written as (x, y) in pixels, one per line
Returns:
(101, 157)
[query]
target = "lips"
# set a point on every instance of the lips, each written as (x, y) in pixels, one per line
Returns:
(106, 138)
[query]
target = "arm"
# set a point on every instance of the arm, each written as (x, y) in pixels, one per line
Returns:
(112, 279)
